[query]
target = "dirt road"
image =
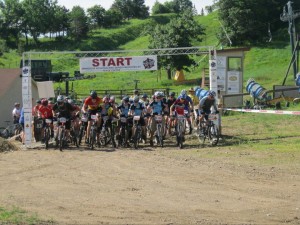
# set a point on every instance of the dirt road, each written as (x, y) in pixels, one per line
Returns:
(150, 186)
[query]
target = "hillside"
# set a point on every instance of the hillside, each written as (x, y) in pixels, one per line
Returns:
(267, 64)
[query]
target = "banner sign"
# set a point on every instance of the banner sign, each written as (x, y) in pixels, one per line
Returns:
(114, 64)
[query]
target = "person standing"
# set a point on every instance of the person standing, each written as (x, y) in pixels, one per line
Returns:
(16, 113)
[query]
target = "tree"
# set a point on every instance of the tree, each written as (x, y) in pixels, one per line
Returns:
(159, 8)
(139, 9)
(124, 7)
(247, 21)
(96, 15)
(11, 20)
(179, 32)
(78, 23)
(112, 17)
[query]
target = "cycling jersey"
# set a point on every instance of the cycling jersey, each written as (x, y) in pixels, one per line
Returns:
(157, 107)
(64, 110)
(138, 109)
(206, 103)
(45, 111)
(124, 109)
(106, 109)
(92, 104)
(180, 106)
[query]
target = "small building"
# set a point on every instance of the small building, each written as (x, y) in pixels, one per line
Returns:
(11, 92)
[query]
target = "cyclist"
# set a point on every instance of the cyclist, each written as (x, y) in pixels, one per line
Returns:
(171, 99)
(106, 109)
(205, 105)
(189, 107)
(123, 110)
(91, 106)
(45, 112)
(179, 106)
(157, 107)
(195, 100)
(63, 109)
(137, 109)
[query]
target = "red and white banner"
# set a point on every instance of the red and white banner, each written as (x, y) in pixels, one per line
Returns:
(114, 64)
(280, 112)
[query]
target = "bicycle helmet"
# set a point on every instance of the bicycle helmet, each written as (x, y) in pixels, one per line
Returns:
(145, 96)
(172, 94)
(183, 92)
(17, 104)
(182, 96)
(212, 93)
(126, 99)
(38, 101)
(44, 102)
(93, 94)
(70, 101)
(112, 99)
(191, 90)
(60, 98)
(136, 99)
(106, 99)
(159, 94)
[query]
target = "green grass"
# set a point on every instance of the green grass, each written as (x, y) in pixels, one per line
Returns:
(16, 215)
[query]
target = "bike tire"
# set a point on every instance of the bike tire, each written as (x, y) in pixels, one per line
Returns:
(81, 132)
(213, 135)
(47, 134)
(201, 133)
(136, 139)
(92, 138)
(61, 139)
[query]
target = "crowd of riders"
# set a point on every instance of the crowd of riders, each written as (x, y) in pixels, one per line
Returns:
(168, 107)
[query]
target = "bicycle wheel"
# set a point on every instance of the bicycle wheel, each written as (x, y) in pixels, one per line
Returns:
(136, 138)
(201, 133)
(47, 134)
(4, 133)
(160, 140)
(61, 139)
(179, 136)
(81, 134)
(213, 135)
(92, 138)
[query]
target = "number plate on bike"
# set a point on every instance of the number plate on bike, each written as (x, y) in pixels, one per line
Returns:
(158, 118)
(181, 117)
(136, 118)
(212, 117)
(123, 119)
(48, 121)
(105, 118)
(93, 117)
(84, 119)
(39, 125)
(62, 119)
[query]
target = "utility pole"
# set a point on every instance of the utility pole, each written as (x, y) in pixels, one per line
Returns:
(289, 16)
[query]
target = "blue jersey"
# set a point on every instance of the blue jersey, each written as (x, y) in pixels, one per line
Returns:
(124, 109)
(138, 109)
(157, 107)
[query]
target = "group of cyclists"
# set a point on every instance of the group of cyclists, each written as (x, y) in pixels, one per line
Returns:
(141, 105)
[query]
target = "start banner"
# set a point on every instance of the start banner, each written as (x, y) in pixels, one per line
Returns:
(115, 64)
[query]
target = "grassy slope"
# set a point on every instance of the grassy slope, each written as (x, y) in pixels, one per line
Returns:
(267, 64)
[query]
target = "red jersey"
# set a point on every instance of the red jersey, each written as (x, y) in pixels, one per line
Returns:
(180, 106)
(45, 111)
(92, 104)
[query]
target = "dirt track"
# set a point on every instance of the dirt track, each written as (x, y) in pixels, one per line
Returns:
(150, 186)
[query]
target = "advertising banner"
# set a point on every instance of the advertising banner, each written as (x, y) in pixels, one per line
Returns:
(114, 64)
(27, 103)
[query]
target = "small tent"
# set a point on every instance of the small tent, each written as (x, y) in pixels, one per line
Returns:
(179, 76)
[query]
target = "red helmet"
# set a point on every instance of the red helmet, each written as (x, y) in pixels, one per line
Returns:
(44, 102)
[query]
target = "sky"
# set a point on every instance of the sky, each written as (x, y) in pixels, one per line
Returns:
(106, 3)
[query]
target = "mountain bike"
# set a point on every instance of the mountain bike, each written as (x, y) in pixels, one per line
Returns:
(61, 133)
(180, 130)
(208, 130)
(93, 132)
(159, 133)
(83, 127)
(137, 131)
(124, 132)
(107, 134)
(47, 132)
